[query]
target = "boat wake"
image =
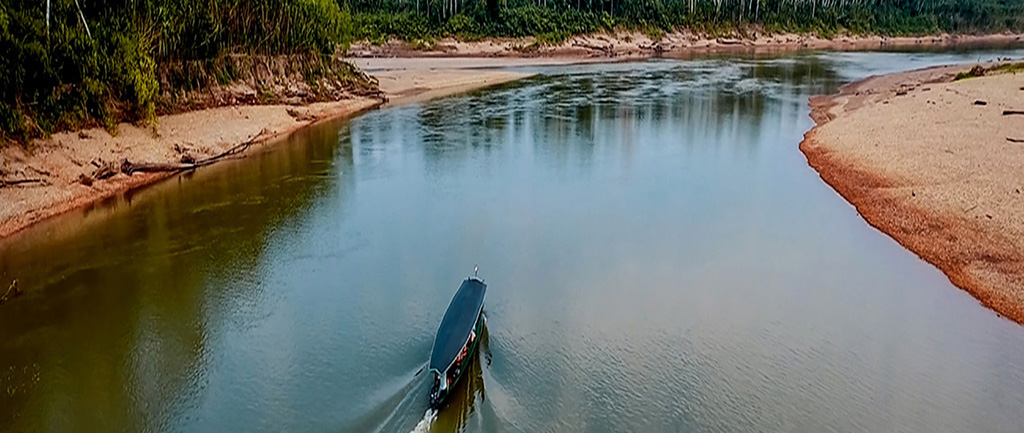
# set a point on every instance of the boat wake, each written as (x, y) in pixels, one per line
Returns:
(424, 425)
(400, 404)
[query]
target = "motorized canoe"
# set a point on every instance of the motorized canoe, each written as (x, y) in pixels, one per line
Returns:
(456, 340)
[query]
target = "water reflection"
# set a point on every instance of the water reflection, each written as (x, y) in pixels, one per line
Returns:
(556, 111)
(459, 408)
(118, 314)
(659, 258)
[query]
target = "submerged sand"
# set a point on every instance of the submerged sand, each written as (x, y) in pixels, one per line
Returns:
(935, 164)
(410, 79)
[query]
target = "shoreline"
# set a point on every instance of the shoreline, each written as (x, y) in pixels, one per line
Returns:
(64, 163)
(56, 166)
(57, 175)
(950, 192)
(633, 45)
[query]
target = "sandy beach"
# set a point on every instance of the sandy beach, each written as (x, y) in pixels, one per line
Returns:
(625, 45)
(938, 165)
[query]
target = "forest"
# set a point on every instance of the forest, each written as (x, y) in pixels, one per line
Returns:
(71, 63)
(553, 20)
(66, 64)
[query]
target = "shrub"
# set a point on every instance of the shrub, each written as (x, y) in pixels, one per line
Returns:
(62, 76)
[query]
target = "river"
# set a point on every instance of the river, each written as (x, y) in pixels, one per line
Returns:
(659, 257)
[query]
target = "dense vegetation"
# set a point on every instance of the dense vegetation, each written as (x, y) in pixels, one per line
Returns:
(97, 61)
(71, 63)
(376, 20)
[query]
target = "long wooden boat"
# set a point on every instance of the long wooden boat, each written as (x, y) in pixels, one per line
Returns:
(456, 340)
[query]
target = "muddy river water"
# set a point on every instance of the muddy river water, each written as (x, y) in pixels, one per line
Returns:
(659, 257)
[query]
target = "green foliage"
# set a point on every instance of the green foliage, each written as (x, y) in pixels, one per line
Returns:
(133, 74)
(462, 26)
(1009, 68)
(655, 33)
(555, 20)
(977, 71)
(62, 76)
(980, 71)
(3, 19)
(377, 27)
(199, 29)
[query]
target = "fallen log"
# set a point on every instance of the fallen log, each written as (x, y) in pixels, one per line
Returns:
(104, 171)
(1011, 112)
(128, 167)
(9, 182)
(1015, 140)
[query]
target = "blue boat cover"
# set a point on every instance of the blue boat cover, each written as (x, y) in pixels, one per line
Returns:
(457, 323)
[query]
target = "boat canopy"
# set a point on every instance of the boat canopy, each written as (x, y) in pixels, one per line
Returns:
(458, 322)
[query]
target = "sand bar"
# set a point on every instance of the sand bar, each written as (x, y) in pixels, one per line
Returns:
(935, 164)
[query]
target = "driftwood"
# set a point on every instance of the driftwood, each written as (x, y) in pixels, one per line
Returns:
(104, 171)
(128, 167)
(188, 163)
(12, 292)
(1010, 112)
(1015, 140)
(9, 182)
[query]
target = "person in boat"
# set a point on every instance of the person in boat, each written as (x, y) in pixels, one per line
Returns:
(447, 359)
(462, 357)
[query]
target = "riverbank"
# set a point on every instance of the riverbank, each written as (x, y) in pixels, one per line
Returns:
(70, 170)
(637, 45)
(58, 174)
(937, 165)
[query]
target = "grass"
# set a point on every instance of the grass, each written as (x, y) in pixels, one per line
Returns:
(980, 71)
(1009, 68)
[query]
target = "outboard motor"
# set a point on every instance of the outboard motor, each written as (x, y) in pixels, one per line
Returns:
(438, 391)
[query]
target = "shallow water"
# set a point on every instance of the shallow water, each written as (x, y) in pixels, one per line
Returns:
(659, 258)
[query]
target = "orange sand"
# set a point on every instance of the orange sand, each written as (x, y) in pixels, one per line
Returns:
(922, 162)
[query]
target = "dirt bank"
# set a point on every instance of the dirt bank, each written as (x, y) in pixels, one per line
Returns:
(636, 45)
(935, 164)
(61, 173)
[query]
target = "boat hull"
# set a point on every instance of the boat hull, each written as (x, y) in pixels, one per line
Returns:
(438, 397)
